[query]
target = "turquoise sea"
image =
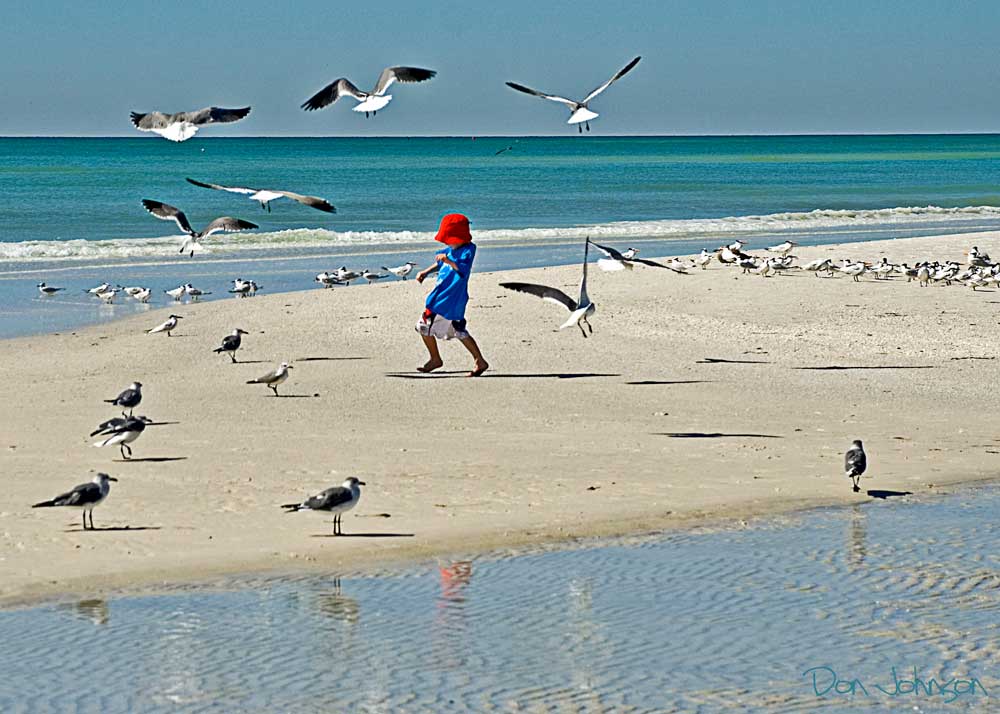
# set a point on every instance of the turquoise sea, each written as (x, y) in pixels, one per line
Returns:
(72, 215)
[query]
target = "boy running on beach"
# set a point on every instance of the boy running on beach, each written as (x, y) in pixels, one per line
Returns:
(444, 316)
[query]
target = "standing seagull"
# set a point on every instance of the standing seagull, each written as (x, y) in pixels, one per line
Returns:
(273, 378)
(129, 398)
(264, 196)
(783, 248)
(231, 343)
(855, 463)
(224, 224)
(579, 309)
(183, 125)
(167, 326)
(86, 496)
(48, 289)
(401, 271)
(335, 500)
(580, 112)
(370, 102)
(123, 433)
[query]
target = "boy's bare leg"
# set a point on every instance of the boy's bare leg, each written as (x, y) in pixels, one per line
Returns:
(432, 347)
(481, 364)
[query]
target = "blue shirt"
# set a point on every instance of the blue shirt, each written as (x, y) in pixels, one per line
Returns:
(451, 294)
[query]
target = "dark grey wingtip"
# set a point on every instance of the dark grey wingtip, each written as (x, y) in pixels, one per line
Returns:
(135, 118)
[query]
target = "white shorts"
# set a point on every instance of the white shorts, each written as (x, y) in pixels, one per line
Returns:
(431, 325)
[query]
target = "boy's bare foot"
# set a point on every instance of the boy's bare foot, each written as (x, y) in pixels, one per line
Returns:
(430, 366)
(481, 366)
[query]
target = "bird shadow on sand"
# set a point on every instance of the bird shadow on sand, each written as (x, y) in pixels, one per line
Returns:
(252, 361)
(714, 435)
(294, 396)
(151, 460)
(114, 528)
(840, 368)
(328, 359)
(876, 493)
(463, 374)
(647, 382)
(717, 360)
(363, 535)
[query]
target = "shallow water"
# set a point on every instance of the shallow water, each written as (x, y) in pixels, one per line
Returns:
(696, 622)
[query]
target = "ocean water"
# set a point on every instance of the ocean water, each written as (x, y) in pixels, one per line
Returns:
(834, 610)
(72, 215)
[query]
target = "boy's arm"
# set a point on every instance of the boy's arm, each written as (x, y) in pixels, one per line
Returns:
(428, 271)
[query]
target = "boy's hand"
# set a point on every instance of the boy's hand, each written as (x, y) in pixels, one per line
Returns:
(440, 256)
(421, 276)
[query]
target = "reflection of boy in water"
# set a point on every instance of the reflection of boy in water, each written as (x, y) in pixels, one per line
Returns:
(444, 316)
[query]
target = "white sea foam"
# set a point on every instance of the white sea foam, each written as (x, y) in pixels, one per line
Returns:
(689, 229)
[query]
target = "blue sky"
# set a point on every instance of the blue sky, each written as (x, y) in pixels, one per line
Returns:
(708, 67)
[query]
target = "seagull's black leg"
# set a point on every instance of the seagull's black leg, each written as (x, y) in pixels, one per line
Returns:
(84, 520)
(588, 126)
(92, 520)
(589, 326)
(580, 127)
(273, 389)
(232, 356)
(582, 331)
(366, 115)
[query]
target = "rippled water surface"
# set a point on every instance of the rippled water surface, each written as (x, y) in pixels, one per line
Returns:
(695, 622)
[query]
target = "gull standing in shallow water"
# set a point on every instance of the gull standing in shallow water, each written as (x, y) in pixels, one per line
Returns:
(183, 125)
(86, 496)
(855, 463)
(223, 224)
(336, 500)
(369, 102)
(170, 324)
(580, 111)
(48, 289)
(273, 378)
(580, 309)
(264, 196)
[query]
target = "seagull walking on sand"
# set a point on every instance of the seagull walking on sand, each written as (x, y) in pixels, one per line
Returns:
(129, 398)
(169, 324)
(264, 196)
(231, 343)
(273, 378)
(368, 102)
(580, 112)
(86, 496)
(855, 463)
(704, 259)
(183, 125)
(783, 248)
(401, 271)
(223, 224)
(46, 290)
(371, 277)
(328, 280)
(580, 309)
(124, 433)
(336, 500)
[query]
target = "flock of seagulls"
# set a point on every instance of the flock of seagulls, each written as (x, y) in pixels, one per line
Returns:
(181, 126)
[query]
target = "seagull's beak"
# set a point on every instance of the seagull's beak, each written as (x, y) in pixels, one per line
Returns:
(112, 478)
(362, 483)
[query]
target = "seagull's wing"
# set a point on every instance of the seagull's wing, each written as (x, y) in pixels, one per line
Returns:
(214, 115)
(612, 253)
(527, 90)
(544, 292)
(329, 498)
(230, 342)
(166, 212)
(265, 379)
(651, 263)
(109, 426)
(855, 461)
(320, 204)
(621, 73)
(217, 187)
(584, 298)
(225, 224)
(79, 496)
(331, 93)
(400, 74)
(149, 121)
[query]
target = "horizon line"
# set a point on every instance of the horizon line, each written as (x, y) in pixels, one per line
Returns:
(517, 136)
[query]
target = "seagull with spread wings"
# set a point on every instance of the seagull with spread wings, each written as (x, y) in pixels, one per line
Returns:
(224, 224)
(368, 102)
(581, 113)
(264, 196)
(617, 261)
(580, 309)
(183, 125)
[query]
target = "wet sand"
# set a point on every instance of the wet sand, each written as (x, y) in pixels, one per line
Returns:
(709, 397)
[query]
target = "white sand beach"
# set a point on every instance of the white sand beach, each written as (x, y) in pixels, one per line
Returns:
(712, 397)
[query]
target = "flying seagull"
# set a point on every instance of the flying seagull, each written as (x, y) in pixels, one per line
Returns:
(224, 224)
(579, 309)
(231, 343)
(273, 378)
(170, 324)
(335, 500)
(183, 125)
(369, 102)
(48, 289)
(264, 196)
(619, 261)
(580, 112)
(129, 398)
(123, 433)
(86, 496)
(855, 463)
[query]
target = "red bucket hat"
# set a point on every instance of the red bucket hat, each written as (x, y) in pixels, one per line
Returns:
(454, 230)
